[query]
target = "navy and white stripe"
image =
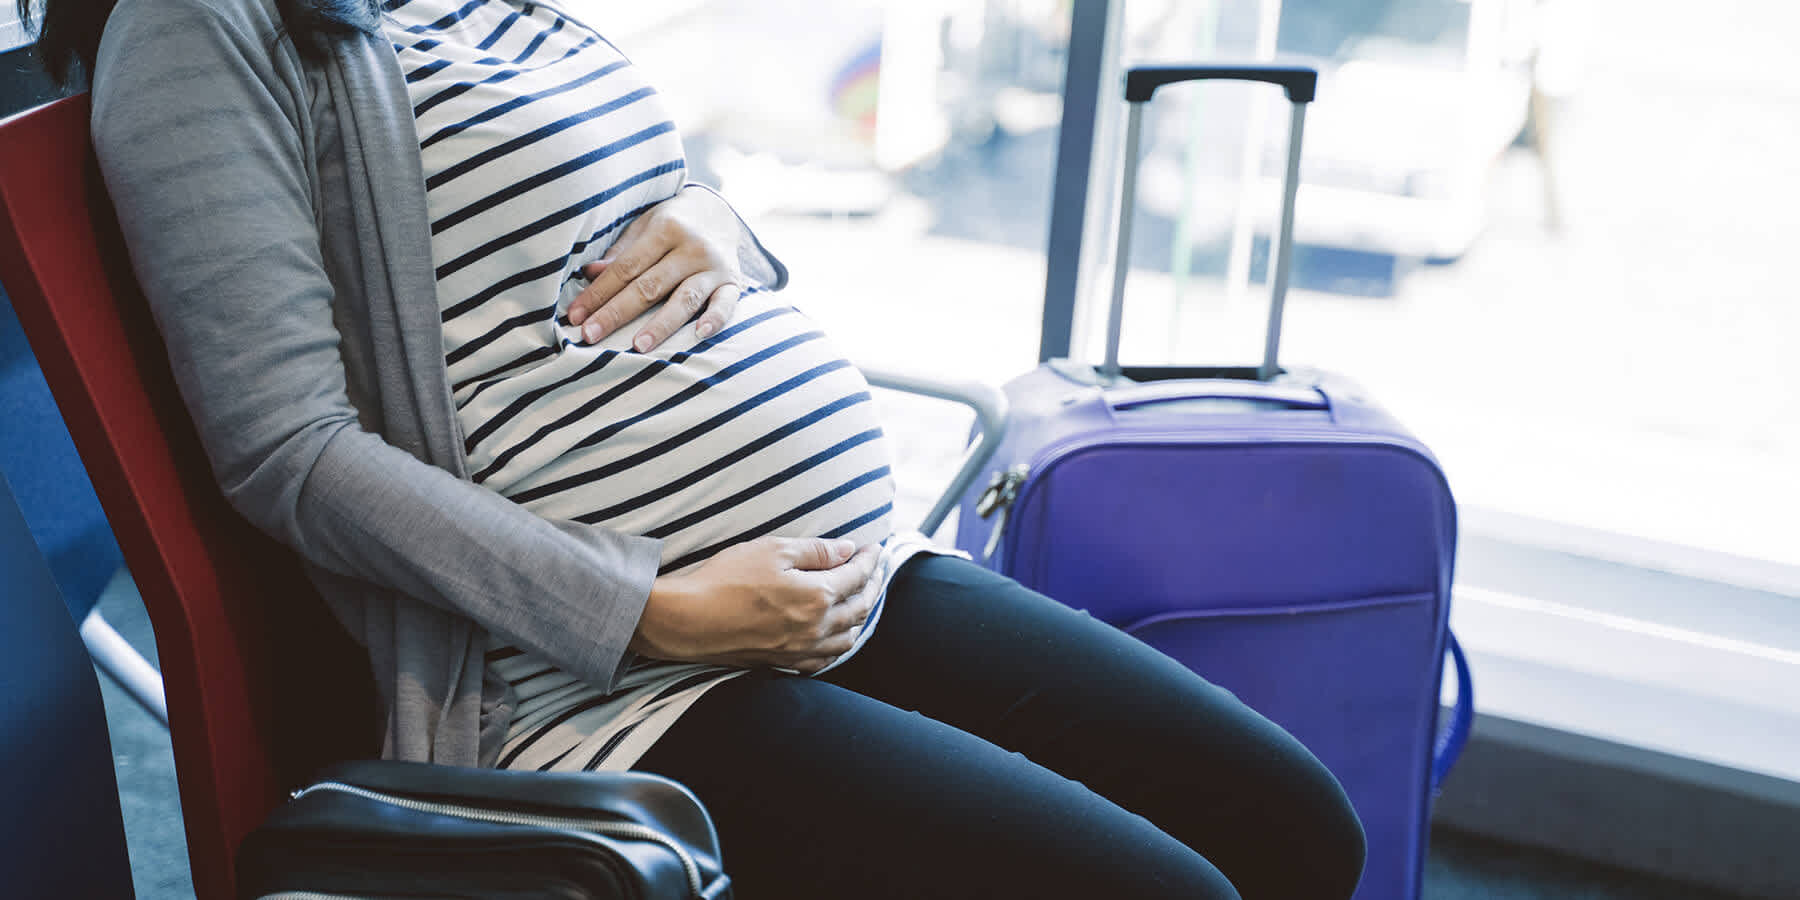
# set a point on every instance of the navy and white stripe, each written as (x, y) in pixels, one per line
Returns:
(540, 143)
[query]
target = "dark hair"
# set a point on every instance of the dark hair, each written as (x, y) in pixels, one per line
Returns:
(69, 36)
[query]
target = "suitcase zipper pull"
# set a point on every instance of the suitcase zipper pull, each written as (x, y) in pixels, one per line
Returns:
(1001, 491)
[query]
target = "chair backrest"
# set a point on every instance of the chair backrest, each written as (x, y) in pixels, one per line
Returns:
(239, 632)
(62, 835)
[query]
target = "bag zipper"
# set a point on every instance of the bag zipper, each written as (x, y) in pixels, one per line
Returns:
(624, 830)
(1002, 491)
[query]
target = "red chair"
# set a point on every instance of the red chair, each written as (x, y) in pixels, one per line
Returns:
(219, 593)
(233, 614)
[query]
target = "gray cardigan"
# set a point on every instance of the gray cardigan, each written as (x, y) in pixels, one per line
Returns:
(275, 213)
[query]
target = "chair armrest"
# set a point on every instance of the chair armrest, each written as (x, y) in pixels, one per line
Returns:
(991, 418)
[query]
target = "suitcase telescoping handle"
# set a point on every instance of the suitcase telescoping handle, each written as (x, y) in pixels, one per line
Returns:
(1141, 82)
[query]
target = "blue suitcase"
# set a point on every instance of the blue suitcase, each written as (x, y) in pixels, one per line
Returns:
(1272, 529)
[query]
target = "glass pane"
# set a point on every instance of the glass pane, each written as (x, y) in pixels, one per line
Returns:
(12, 32)
(898, 156)
(1550, 235)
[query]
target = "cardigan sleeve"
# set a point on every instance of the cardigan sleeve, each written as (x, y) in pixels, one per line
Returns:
(196, 126)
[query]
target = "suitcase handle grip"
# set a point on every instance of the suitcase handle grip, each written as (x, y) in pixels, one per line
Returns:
(1300, 82)
(1290, 396)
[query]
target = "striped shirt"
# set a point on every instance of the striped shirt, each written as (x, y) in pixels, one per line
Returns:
(540, 144)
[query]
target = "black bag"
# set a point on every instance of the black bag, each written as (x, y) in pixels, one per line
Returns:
(382, 829)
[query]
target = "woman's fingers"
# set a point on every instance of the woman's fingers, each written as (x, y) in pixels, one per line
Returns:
(847, 579)
(673, 253)
(645, 289)
(814, 554)
(792, 603)
(630, 257)
(817, 657)
(843, 628)
(840, 587)
(846, 617)
(719, 309)
(698, 292)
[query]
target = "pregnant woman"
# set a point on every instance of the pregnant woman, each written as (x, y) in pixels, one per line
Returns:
(453, 325)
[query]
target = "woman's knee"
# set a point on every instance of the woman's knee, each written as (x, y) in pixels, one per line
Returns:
(1261, 805)
(1314, 820)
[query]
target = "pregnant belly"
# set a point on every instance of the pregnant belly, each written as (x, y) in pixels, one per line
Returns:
(763, 429)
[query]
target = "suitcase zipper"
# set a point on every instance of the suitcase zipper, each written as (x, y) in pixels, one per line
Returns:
(1002, 491)
(625, 830)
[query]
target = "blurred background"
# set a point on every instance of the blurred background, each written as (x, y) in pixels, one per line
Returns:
(1550, 234)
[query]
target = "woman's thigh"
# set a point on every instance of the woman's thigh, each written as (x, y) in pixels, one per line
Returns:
(980, 653)
(818, 791)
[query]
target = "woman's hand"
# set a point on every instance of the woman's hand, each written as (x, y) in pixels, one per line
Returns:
(796, 603)
(683, 251)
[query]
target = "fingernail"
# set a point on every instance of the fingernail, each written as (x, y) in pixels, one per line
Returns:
(643, 343)
(845, 546)
(705, 329)
(593, 332)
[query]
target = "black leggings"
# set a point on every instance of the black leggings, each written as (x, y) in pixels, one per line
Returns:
(989, 742)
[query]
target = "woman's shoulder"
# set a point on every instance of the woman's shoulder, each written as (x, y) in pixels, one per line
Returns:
(153, 52)
(254, 13)
(250, 23)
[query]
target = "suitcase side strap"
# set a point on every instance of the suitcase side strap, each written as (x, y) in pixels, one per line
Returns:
(1450, 744)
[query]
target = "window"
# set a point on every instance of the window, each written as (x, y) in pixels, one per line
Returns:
(1579, 302)
(899, 158)
(12, 31)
